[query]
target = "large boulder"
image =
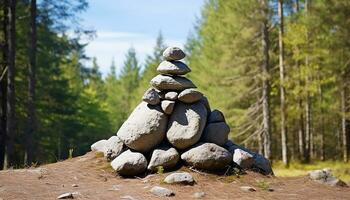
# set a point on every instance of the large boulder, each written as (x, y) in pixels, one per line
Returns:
(151, 96)
(190, 95)
(173, 53)
(129, 163)
(186, 124)
(207, 156)
(113, 147)
(173, 68)
(162, 82)
(216, 133)
(145, 128)
(216, 116)
(164, 156)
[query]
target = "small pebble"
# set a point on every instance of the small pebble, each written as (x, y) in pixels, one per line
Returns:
(248, 189)
(199, 195)
(74, 185)
(67, 195)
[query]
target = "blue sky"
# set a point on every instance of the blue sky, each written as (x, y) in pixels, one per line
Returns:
(120, 24)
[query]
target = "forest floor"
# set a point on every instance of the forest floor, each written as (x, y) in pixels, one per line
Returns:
(90, 177)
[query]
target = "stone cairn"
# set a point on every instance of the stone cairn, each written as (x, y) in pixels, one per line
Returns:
(174, 125)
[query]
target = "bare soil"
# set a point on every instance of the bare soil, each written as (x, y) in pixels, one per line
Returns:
(94, 179)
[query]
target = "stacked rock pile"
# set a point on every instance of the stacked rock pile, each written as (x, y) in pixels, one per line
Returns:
(173, 125)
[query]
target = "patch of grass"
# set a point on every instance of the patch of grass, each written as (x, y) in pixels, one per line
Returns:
(160, 170)
(339, 169)
(230, 179)
(262, 184)
(99, 154)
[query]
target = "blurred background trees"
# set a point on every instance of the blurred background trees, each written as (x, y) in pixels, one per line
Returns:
(283, 87)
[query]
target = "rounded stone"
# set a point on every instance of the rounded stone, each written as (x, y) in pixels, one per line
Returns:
(151, 96)
(216, 116)
(168, 106)
(162, 82)
(216, 133)
(145, 128)
(164, 156)
(179, 178)
(171, 95)
(113, 148)
(207, 156)
(173, 68)
(173, 53)
(190, 95)
(186, 124)
(129, 163)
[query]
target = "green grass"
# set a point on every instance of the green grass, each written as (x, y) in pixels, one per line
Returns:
(339, 169)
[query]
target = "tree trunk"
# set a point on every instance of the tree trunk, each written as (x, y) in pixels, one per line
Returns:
(31, 122)
(266, 87)
(321, 131)
(3, 83)
(10, 108)
(282, 88)
(344, 123)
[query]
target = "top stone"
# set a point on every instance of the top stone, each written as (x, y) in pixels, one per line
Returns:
(173, 53)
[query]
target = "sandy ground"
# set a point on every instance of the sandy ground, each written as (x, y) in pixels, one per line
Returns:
(94, 179)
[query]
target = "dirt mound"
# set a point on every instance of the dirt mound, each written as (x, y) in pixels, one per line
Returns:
(90, 177)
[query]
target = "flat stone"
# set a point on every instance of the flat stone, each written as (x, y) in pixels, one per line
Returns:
(248, 189)
(168, 106)
(190, 95)
(162, 82)
(186, 124)
(179, 178)
(173, 68)
(129, 163)
(162, 192)
(173, 53)
(207, 156)
(145, 128)
(164, 156)
(216, 133)
(67, 195)
(199, 195)
(151, 96)
(216, 116)
(171, 95)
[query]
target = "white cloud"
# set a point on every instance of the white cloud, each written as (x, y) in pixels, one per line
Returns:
(110, 45)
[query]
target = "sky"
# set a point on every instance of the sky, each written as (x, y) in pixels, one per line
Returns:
(121, 24)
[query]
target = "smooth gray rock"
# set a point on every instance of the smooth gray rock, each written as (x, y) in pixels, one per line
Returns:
(164, 156)
(190, 95)
(261, 164)
(216, 116)
(204, 100)
(243, 159)
(216, 133)
(145, 128)
(162, 192)
(199, 195)
(151, 96)
(248, 189)
(171, 95)
(99, 146)
(180, 178)
(186, 124)
(173, 53)
(168, 106)
(325, 176)
(173, 68)
(113, 147)
(162, 82)
(129, 163)
(207, 156)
